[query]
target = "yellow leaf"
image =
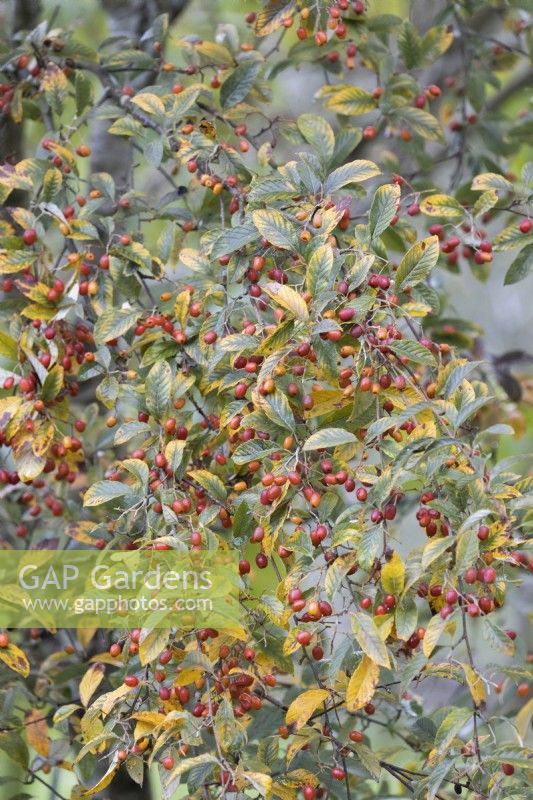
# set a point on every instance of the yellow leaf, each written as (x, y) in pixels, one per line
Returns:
(150, 103)
(79, 530)
(291, 644)
(108, 700)
(152, 644)
(523, 718)
(362, 684)
(181, 307)
(90, 682)
(301, 709)
(393, 575)
(188, 675)
(261, 782)
(153, 718)
(284, 792)
(147, 722)
(103, 783)
(441, 205)
(434, 630)
(8, 408)
(15, 659)
(305, 735)
(288, 298)
(475, 684)
(37, 731)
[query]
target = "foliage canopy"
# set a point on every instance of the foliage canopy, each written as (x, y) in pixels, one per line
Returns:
(245, 346)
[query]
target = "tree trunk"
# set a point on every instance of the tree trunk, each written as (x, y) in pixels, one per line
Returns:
(130, 19)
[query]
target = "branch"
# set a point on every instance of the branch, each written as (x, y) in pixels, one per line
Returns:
(521, 80)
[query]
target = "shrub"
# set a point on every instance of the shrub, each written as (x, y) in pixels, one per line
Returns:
(245, 347)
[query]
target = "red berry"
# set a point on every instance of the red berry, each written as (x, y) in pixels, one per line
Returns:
(303, 637)
(525, 226)
(338, 774)
(29, 236)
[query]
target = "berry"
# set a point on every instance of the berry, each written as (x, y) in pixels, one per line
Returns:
(338, 774)
(29, 236)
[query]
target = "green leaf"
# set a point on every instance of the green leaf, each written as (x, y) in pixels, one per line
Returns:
(368, 636)
(158, 389)
(8, 346)
(15, 747)
(347, 100)
(410, 45)
(329, 437)
(450, 727)
(15, 261)
(239, 83)
(521, 267)
(272, 16)
(420, 122)
(53, 383)
(319, 133)
(104, 491)
(441, 205)
(383, 208)
(174, 452)
(319, 269)
(211, 483)
(434, 549)
(491, 180)
(277, 408)
(414, 351)
(406, 618)
(113, 323)
(128, 430)
(497, 638)
(84, 91)
(417, 263)
(55, 86)
(353, 172)
(183, 101)
(139, 470)
(485, 202)
(107, 391)
(274, 227)
(454, 374)
(255, 450)
(467, 551)
(52, 182)
(233, 239)
(227, 729)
